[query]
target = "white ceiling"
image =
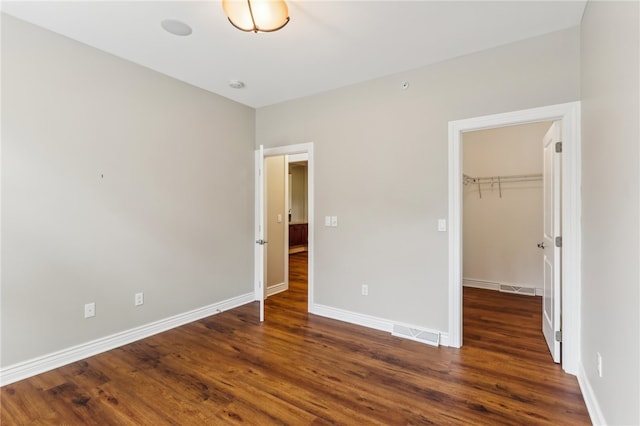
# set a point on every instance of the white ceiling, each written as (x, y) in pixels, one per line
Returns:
(326, 45)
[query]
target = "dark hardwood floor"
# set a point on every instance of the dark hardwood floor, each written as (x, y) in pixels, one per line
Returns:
(301, 369)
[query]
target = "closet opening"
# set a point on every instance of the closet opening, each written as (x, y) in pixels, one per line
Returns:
(566, 136)
(503, 208)
(502, 227)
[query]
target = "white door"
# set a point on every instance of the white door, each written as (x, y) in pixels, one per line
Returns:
(275, 224)
(551, 230)
(259, 272)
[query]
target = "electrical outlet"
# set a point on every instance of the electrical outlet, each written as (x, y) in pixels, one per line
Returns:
(599, 364)
(365, 290)
(90, 310)
(139, 299)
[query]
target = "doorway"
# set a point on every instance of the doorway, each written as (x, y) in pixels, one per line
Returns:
(503, 208)
(299, 152)
(569, 114)
(298, 203)
(503, 224)
(285, 216)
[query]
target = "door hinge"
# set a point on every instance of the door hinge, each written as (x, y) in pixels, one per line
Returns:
(559, 336)
(558, 146)
(558, 241)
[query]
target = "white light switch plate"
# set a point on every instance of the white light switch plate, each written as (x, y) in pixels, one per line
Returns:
(327, 221)
(442, 225)
(138, 299)
(334, 220)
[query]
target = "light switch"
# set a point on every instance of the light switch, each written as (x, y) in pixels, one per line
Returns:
(442, 225)
(279, 218)
(327, 221)
(334, 220)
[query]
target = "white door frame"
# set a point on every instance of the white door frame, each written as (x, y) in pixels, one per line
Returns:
(303, 148)
(569, 113)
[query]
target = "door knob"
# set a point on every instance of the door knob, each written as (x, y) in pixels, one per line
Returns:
(541, 245)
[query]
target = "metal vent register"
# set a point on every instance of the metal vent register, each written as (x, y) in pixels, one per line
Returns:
(423, 336)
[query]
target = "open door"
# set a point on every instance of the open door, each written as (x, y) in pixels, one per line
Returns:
(552, 240)
(259, 273)
(261, 266)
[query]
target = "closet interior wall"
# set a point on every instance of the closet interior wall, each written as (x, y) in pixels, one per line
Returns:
(502, 208)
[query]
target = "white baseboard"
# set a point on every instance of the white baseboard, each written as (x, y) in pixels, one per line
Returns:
(297, 249)
(277, 288)
(444, 339)
(26, 369)
(366, 320)
(597, 418)
(352, 317)
(500, 286)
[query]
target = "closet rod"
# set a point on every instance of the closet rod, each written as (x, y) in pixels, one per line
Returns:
(499, 180)
(466, 179)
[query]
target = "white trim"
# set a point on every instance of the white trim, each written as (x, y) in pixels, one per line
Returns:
(296, 158)
(486, 285)
(569, 113)
(368, 321)
(277, 288)
(353, 318)
(292, 150)
(297, 249)
(444, 339)
(590, 400)
(39, 365)
(497, 285)
(285, 220)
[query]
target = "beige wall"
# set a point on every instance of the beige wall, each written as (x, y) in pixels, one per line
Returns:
(276, 219)
(298, 193)
(500, 233)
(381, 166)
(115, 180)
(610, 212)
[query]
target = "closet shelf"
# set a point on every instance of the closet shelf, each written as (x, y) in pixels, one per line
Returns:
(468, 180)
(498, 180)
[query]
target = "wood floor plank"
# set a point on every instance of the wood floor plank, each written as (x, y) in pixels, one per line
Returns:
(301, 369)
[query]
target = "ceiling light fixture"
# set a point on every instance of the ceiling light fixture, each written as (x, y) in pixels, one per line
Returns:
(256, 15)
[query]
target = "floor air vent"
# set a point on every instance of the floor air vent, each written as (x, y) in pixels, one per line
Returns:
(423, 336)
(518, 290)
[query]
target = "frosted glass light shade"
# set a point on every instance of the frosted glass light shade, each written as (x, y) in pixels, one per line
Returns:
(256, 15)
